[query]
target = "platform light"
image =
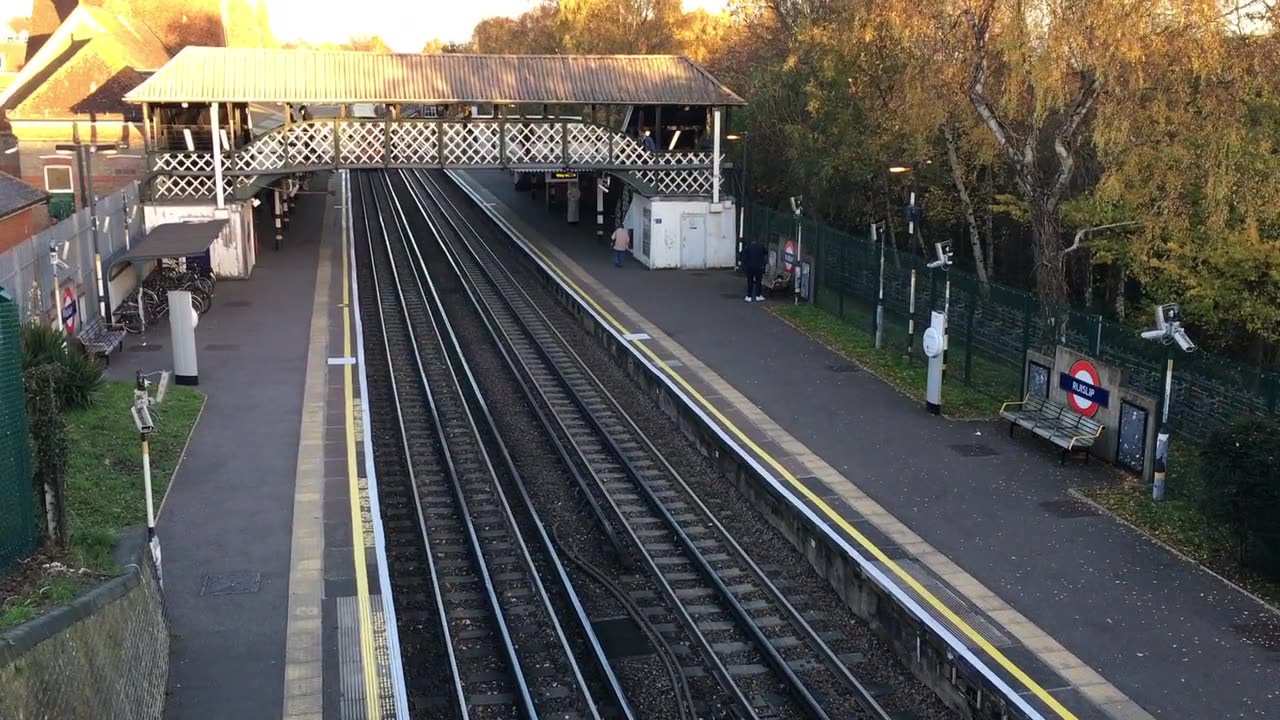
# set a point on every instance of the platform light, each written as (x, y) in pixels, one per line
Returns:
(898, 169)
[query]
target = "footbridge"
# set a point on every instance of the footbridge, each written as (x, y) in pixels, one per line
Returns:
(656, 122)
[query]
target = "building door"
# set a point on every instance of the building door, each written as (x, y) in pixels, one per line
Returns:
(693, 241)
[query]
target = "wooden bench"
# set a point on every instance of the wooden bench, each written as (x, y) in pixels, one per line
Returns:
(1056, 423)
(101, 339)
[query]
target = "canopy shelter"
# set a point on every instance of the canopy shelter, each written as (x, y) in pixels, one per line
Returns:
(300, 77)
(173, 240)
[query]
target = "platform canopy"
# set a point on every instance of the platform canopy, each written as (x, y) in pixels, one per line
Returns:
(173, 240)
(243, 75)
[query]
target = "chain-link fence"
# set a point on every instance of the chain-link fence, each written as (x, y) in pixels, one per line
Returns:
(37, 284)
(990, 334)
(17, 507)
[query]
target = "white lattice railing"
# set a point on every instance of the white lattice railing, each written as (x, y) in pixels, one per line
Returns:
(434, 143)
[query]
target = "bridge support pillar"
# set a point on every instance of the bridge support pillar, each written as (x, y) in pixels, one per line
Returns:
(573, 201)
(599, 199)
(275, 194)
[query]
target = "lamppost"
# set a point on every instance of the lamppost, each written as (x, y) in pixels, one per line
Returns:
(913, 229)
(742, 202)
(1168, 330)
(84, 153)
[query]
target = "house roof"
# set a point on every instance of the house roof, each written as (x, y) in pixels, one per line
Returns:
(17, 195)
(92, 59)
(205, 74)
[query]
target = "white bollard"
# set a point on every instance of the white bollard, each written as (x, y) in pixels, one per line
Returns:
(182, 331)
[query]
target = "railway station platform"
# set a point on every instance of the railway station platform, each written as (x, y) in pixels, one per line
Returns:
(274, 610)
(1079, 614)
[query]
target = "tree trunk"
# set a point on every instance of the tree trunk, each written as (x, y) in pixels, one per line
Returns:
(1122, 278)
(991, 236)
(975, 240)
(1051, 277)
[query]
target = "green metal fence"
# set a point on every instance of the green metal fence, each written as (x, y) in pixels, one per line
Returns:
(17, 511)
(989, 336)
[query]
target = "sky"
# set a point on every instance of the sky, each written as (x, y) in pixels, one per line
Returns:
(405, 26)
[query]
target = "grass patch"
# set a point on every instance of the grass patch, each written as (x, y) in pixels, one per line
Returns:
(104, 467)
(1178, 522)
(104, 491)
(890, 364)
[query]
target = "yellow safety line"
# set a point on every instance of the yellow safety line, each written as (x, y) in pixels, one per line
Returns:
(826, 509)
(373, 703)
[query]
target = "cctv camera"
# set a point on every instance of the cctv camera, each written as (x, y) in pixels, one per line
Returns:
(1184, 342)
(1153, 335)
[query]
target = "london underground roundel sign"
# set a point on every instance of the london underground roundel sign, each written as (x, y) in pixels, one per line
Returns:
(789, 255)
(1083, 384)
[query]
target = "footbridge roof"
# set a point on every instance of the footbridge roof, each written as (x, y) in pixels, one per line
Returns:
(206, 74)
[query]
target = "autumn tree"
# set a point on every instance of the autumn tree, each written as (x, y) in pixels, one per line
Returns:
(366, 43)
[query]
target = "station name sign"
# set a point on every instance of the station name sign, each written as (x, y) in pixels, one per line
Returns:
(1083, 388)
(564, 175)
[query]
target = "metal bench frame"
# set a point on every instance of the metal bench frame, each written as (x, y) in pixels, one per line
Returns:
(101, 339)
(1054, 422)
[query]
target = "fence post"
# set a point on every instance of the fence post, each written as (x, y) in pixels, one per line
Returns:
(911, 316)
(1026, 333)
(968, 340)
(1095, 339)
(843, 274)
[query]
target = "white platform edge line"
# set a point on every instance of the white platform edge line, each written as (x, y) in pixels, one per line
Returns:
(881, 579)
(375, 512)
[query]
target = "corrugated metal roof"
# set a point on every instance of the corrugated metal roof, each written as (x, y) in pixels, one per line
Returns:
(202, 74)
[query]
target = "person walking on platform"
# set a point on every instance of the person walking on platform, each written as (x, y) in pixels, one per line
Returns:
(621, 240)
(754, 259)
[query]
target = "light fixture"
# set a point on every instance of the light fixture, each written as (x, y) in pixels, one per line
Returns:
(11, 150)
(897, 169)
(735, 136)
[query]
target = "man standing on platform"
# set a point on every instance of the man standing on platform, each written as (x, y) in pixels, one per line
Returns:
(754, 259)
(621, 240)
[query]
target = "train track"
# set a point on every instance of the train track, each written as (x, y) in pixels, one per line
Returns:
(767, 659)
(481, 594)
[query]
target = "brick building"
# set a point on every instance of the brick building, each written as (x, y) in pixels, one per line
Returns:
(24, 211)
(80, 59)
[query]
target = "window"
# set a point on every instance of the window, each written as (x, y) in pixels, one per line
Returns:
(1037, 379)
(1131, 440)
(57, 179)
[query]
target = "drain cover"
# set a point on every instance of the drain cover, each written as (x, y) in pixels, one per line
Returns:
(150, 347)
(974, 450)
(621, 637)
(233, 583)
(233, 347)
(1068, 508)
(844, 367)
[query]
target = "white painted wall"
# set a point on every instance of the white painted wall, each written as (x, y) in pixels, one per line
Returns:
(665, 223)
(232, 254)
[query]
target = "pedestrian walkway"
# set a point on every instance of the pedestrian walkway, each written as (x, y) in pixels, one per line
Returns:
(1084, 617)
(274, 611)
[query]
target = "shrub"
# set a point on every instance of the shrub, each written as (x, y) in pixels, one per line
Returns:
(79, 377)
(1241, 473)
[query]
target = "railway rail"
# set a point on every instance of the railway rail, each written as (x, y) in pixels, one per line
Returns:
(491, 598)
(767, 658)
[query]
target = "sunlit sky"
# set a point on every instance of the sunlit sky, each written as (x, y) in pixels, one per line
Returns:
(405, 25)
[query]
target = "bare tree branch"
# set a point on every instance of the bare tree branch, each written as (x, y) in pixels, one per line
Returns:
(1064, 138)
(957, 177)
(1082, 232)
